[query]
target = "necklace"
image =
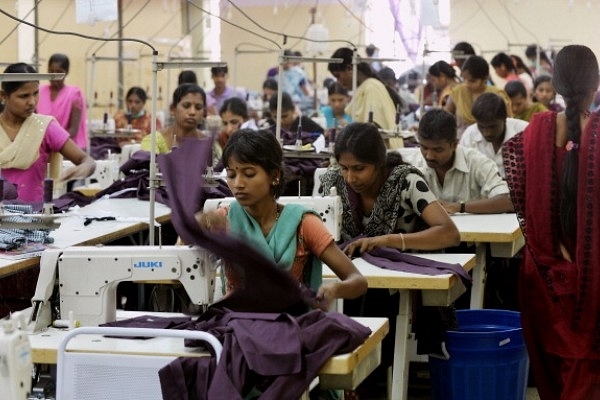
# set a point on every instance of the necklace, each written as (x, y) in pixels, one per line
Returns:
(277, 212)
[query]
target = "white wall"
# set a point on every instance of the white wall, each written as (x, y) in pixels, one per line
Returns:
(490, 25)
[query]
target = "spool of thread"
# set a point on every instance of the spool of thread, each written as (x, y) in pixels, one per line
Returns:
(48, 190)
(65, 323)
(1, 189)
(105, 119)
(370, 117)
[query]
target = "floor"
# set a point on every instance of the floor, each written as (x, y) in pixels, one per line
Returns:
(532, 394)
(419, 387)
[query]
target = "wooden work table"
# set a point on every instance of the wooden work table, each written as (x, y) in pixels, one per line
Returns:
(436, 290)
(131, 218)
(500, 232)
(344, 371)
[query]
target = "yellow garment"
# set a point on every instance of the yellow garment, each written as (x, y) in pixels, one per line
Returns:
(161, 143)
(23, 151)
(463, 100)
(535, 108)
(371, 95)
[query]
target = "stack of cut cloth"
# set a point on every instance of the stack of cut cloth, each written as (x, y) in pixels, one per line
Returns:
(11, 239)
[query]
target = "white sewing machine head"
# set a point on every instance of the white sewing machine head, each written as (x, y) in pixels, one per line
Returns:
(88, 278)
(328, 207)
(15, 358)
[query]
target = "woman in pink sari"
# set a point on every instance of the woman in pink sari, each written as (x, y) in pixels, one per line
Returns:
(64, 102)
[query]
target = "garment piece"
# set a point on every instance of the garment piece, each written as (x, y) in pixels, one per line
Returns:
(275, 353)
(396, 260)
(463, 100)
(61, 108)
(400, 203)
(472, 177)
(267, 288)
(11, 239)
(472, 138)
(25, 172)
(560, 300)
(372, 96)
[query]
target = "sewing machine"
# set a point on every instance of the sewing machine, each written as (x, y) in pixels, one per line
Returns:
(328, 207)
(15, 358)
(88, 278)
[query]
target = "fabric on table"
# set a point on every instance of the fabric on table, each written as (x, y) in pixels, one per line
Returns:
(273, 353)
(11, 239)
(396, 260)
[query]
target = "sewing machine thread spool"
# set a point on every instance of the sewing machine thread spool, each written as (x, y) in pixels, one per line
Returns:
(48, 188)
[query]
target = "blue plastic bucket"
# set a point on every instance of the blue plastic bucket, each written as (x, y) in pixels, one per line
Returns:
(488, 359)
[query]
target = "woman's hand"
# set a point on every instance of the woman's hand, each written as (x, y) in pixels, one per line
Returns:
(212, 221)
(365, 244)
(326, 295)
(450, 207)
(80, 171)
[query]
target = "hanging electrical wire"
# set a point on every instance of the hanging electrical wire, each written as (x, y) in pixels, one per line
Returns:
(515, 19)
(234, 25)
(16, 26)
(80, 35)
(56, 21)
(283, 35)
(349, 11)
(124, 25)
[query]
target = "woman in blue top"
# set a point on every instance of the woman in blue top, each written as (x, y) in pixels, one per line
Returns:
(334, 113)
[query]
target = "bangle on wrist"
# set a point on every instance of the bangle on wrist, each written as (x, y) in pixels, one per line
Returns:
(403, 244)
(462, 207)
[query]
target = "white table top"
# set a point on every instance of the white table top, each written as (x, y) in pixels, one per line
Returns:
(490, 228)
(382, 278)
(132, 217)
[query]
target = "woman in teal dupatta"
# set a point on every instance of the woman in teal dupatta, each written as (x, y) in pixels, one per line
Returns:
(292, 235)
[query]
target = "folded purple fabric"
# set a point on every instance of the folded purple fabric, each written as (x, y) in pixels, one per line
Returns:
(394, 259)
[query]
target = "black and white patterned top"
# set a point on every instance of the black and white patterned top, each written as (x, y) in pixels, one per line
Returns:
(398, 207)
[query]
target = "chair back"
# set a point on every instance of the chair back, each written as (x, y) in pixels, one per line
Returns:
(93, 366)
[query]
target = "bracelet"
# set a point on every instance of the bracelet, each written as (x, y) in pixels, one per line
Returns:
(462, 207)
(403, 244)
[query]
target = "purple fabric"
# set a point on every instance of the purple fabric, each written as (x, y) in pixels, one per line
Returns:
(274, 353)
(396, 260)
(268, 288)
(151, 321)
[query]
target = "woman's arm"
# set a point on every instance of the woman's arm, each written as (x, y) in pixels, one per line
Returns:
(442, 233)
(74, 119)
(84, 163)
(450, 106)
(352, 283)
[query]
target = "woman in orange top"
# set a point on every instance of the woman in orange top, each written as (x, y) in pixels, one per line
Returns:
(292, 235)
(135, 116)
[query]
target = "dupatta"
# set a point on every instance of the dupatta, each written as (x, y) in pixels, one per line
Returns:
(23, 151)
